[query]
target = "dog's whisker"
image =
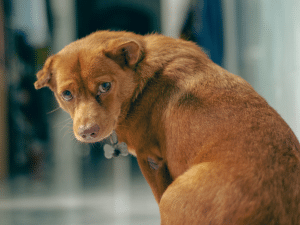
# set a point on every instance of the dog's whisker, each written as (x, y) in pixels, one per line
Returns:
(73, 138)
(67, 126)
(69, 132)
(54, 110)
(69, 120)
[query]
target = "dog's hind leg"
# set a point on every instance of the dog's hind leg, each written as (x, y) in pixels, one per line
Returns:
(210, 194)
(186, 200)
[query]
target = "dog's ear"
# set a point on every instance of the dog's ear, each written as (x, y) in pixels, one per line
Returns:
(125, 54)
(44, 75)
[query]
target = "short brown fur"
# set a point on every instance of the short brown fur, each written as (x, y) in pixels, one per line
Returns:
(222, 155)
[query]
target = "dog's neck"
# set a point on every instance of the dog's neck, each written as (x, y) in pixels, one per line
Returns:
(156, 81)
(145, 114)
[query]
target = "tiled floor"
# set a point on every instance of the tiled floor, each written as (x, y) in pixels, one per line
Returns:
(29, 202)
(101, 206)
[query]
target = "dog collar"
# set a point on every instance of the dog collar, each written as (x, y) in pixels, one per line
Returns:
(114, 148)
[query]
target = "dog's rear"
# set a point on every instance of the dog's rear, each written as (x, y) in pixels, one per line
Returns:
(212, 150)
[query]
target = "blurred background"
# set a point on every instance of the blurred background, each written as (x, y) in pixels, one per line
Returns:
(46, 176)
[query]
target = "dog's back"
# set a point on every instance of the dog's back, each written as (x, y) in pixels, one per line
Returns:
(239, 161)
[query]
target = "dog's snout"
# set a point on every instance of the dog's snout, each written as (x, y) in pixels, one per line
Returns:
(88, 132)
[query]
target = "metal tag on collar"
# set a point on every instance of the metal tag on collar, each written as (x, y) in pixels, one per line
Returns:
(114, 149)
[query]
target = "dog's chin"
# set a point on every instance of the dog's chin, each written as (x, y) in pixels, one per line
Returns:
(95, 140)
(92, 140)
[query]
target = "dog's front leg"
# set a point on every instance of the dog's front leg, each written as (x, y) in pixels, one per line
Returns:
(156, 172)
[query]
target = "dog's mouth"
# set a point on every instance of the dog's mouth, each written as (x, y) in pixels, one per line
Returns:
(91, 133)
(91, 140)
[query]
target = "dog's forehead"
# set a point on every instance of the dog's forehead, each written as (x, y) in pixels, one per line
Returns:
(80, 67)
(74, 59)
(85, 57)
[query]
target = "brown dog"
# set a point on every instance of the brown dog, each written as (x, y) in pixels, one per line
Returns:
(212, 150)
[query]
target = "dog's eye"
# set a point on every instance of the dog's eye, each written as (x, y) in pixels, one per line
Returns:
(104, 87)
(67, 95)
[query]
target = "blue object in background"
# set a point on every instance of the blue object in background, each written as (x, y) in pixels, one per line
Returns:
(204, 25)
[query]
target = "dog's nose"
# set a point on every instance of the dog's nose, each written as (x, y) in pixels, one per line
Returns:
(88, 132)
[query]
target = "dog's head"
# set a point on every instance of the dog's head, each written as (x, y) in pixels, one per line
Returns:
(93, 79)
